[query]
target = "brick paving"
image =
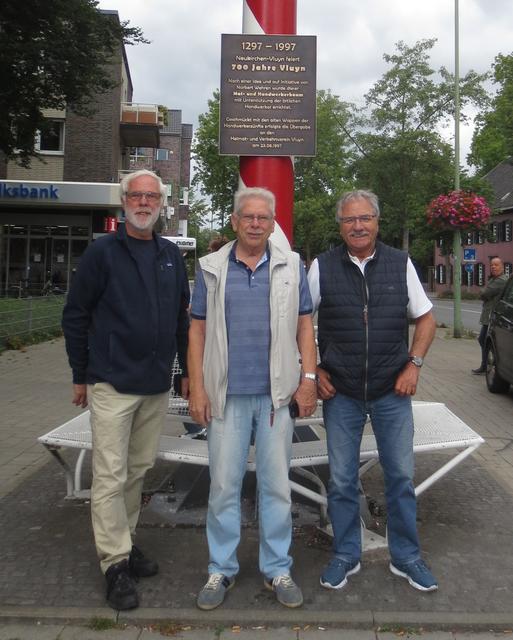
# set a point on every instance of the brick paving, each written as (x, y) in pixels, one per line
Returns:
(49, 565)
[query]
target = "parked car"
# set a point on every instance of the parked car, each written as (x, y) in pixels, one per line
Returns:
(499, 343)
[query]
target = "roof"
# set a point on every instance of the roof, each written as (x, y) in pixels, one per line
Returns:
(501, 179)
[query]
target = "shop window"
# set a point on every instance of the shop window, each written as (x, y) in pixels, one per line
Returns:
(51, 138)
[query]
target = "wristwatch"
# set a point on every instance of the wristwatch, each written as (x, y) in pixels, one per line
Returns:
(310, 376)
(417, 360)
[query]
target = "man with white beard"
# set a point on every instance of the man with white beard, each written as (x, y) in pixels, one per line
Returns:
(124, 321)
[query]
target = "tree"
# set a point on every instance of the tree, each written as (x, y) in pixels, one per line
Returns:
(492, 141)
(53, 55)
(216, 176)
(321, 180)
(404, 158)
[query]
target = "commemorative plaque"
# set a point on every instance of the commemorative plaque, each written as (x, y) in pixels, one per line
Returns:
(268, 95)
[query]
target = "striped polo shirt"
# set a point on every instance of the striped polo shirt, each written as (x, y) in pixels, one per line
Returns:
(247, 314)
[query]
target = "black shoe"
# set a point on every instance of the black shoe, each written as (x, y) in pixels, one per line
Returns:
(140, 566)
(479, 371)
(121, 592)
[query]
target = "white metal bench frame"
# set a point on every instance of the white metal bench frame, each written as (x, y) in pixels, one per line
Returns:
(436, 428)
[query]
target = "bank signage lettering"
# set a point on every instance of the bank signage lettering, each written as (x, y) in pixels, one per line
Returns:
(49, 192)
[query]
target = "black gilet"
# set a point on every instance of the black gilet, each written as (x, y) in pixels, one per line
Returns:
(363, 324)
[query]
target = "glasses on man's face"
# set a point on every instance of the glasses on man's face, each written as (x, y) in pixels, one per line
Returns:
(247, 218)
(151, 196)
(365, 219)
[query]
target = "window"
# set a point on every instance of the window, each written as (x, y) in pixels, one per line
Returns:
(492, 231)
(480, 237)
(440, 274)
(467, 275)
(161, 154)
(184, 195)
(469, 237)
(480, 274)
(507, 233)
(508, 268)
(51, 138)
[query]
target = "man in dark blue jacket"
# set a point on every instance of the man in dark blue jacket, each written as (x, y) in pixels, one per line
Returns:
(124, 322)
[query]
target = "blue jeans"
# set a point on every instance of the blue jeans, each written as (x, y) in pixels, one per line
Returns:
(392, 423)
(228, 447)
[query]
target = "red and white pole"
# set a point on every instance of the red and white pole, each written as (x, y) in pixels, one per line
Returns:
(272, 172)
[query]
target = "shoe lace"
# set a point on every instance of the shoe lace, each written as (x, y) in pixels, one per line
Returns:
(285, 581)
(420, 566)
(121, 580)
(214, 580)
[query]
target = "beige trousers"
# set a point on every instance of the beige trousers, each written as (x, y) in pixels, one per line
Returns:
(126, 430)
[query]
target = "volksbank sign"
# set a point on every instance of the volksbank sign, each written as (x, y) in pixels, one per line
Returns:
(22, 191)
(58, 194)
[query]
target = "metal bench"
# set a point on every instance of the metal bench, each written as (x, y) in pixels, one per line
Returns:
(436, 429)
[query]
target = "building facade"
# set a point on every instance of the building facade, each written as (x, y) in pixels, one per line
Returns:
(479, 247)
(69, 196)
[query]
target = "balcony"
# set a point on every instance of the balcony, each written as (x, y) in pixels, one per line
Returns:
(139, 125)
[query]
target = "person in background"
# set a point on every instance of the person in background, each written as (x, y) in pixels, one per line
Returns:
(365, 291)
(216, 243)
(492, 291)
(251, 351)
(124, 321)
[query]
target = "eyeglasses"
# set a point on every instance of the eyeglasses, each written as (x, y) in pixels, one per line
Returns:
(247, 218)
(151, 196)
(352, 219)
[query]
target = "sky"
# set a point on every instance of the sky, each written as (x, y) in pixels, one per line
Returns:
(181, 66)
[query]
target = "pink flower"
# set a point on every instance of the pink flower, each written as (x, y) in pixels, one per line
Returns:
(458, 209)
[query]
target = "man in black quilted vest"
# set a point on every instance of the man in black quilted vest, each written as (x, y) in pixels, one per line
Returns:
(365, 292)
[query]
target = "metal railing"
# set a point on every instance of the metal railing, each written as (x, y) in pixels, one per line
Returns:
(25, 318)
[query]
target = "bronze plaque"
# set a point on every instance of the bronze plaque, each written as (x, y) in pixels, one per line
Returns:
(268, 95)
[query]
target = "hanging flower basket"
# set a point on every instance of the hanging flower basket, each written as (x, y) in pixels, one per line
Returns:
(458, 210)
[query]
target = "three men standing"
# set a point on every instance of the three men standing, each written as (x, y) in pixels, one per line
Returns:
(124, 321)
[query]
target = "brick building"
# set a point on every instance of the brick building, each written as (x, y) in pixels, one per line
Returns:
(51, 211)
(479, 247)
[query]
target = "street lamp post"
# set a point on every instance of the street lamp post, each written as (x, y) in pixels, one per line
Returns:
(456, 245)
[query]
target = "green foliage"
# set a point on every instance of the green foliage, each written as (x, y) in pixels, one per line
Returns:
(53, 54)
(216, 176)
(103, 624)
(404, 159)
(320, 180)
(492, 141)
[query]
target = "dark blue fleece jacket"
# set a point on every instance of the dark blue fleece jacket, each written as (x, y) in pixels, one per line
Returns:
(111, 335)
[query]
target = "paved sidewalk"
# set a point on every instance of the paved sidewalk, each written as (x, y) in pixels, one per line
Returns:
(49, 570)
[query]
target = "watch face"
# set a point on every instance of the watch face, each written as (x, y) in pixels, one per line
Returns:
(417, 360)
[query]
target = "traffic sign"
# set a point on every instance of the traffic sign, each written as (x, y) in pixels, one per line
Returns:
(469, 255)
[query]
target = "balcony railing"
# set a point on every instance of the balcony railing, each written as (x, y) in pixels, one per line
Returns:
(137, 113)
(139, 125)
